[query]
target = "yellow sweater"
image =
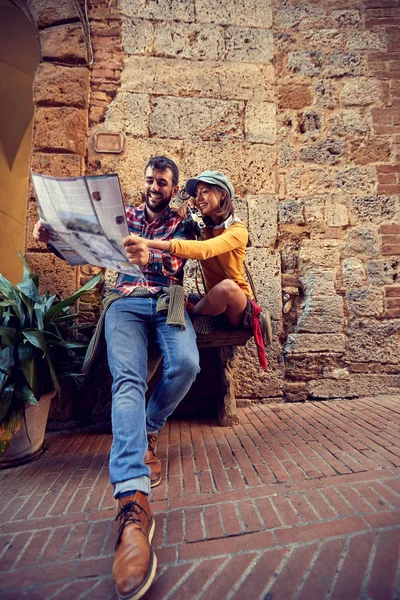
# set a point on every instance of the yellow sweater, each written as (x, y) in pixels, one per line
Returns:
(228, 244)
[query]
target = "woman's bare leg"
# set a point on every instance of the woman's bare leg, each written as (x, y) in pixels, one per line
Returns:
(226, 297)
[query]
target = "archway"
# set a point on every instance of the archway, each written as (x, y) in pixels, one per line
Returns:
(19, 58)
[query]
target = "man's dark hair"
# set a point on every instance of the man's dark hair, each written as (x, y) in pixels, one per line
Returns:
(162, 162)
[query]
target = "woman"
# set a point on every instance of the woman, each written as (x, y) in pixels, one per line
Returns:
(221, 250)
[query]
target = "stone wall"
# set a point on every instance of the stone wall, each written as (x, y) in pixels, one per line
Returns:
(299, 105)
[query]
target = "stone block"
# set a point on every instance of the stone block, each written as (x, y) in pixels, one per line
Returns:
(305, 181)
(57, 165)
(365, 302)
(321, 314)
(203, 79)
(64, 43)
(335, 213)
(360, 180)
(349, 122)
(373, 209)
(340, 64)
(300, 343)
(317, 254)
(357, 386)
(310, 365)
(305, 16)
(305, 63)
(137, 36)
(377, 341)
(370, 151)
(343, 18)
(294, 96)
(249, 45)
(55, 85)
(260, 122)
(383, 272)
(329, 151)
(240, 13)
(366, 40)
(185, 40)
(187, 118)
(265, 269)
(55, 274)
(362, 241)
(60, 129)
(287, 156)
(262, 220)
(314, 211)
(48, 12)
(309, 122)
(291, 211)
(319, 282)
(253, 382)
(353, 273)
(129, 113)
(361, 92)
(326, 94)
(163, 10)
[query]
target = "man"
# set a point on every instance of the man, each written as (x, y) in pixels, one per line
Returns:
(130, 321)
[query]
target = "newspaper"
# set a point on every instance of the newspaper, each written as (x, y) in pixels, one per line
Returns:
(87, 217)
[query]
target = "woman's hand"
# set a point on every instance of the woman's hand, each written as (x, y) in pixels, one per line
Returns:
(183, 209)
(137, 249)
(42, 234)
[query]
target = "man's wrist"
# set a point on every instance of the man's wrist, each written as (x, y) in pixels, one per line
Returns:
(151, 259)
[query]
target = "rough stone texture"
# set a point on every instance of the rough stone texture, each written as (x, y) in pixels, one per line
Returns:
(300, 343)
(241, 13)
(265, 269)
(294, 96)
(183, 40)
(353, 273)
(48, 12)
(383, 272)
(64, 43)
(314, 63)
(250, 45)
(260, 122)
(319, 282)
(165, 10)
(55, 274)
(303, 181)
(336, 214)
(210, 120)
(327, 152)
(350, 121)
(60, 129)
(360, 92)
(370, 151)
(352, 179)
(373, 209)
(365, 302)
(262, 221)
(305, 16)
(317, 254)
(366, 40)
(129, 114)
(321, 314)
(204, 79)
(374, 340)
(362, 241)
(359, 385)
(137, 36)
(252, 381)
(55, 85)
(291, 211)
(57, 165)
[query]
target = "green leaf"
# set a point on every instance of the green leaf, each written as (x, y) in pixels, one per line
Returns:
(5, 400)
(27, 361)
(28, 288)
(56, 308)
(8, 427)
(39, 312)
(25, 393)
(7, 359)
(28, 274)
(7, 335)
(36, 338)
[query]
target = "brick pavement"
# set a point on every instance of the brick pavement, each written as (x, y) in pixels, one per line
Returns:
(299, 501)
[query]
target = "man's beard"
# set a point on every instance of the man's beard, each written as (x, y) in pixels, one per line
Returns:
(162, 203)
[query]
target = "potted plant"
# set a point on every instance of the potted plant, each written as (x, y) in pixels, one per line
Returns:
(36, 350)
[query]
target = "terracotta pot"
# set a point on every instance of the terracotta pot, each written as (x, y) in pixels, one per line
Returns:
(24, 448)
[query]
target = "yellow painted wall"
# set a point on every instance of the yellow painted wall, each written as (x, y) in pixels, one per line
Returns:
(13, 195)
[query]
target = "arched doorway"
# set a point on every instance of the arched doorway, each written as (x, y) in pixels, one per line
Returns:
(19, 58)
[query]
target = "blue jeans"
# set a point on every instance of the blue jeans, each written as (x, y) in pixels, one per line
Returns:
(129, 323)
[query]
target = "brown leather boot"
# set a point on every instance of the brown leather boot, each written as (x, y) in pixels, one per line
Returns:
(152, 461)
(135, 563)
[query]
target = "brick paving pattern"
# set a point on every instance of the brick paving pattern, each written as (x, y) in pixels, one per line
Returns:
(299, 501)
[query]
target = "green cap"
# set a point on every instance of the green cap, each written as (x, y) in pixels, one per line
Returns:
(211, 177)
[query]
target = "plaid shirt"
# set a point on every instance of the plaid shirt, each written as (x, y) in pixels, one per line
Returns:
(163, 269)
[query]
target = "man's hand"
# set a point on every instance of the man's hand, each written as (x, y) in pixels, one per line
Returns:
(136, 250)
(42, 234)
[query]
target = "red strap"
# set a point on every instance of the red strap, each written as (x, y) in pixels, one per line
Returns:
(258, 336)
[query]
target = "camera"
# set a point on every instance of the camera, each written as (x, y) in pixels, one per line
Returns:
(194, 222)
